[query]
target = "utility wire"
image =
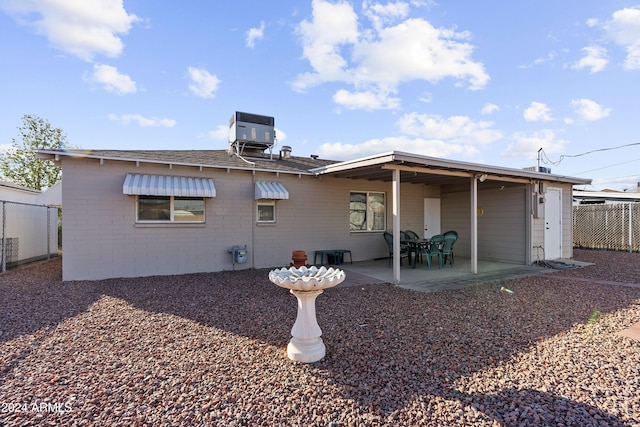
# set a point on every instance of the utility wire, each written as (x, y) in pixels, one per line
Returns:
(606, 167)
(562, 157)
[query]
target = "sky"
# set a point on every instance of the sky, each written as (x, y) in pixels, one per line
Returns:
(507, 84)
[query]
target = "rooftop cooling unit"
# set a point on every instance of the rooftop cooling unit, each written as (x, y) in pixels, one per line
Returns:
(541, 169)
(251, 133)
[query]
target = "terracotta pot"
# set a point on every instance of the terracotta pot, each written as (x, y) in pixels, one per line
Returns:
(299, 258)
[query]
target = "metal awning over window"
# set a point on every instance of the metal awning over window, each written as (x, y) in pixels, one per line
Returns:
(270, 190)
(161, 185)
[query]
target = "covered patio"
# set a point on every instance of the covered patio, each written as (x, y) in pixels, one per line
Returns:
(463, 179)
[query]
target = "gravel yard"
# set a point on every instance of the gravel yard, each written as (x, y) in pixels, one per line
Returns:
(210, 349)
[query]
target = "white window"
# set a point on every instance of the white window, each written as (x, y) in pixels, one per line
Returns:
(266, 211)
(170, 209)
(367, 211)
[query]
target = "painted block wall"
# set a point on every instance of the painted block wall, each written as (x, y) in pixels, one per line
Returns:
(102, 239)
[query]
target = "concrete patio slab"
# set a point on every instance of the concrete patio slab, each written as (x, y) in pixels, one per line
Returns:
(422, 279)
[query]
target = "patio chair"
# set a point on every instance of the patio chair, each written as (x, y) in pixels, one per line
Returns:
(421, 247)
(455, 234)
(447, 249)
(404, 252)
(434, 249)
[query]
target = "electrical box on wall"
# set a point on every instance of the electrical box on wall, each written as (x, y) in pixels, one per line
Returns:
(238, 255)
(535, 205)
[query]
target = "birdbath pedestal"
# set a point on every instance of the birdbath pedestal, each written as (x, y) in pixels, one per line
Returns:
(306, 283)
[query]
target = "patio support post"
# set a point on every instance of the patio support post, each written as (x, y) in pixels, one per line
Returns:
(4, 240)
(474, 224)
(395, 194)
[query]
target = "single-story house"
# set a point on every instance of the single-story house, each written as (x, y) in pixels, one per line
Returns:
(131, 213)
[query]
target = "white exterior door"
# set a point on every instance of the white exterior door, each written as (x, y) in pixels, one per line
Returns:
(553, 224)
(431, 217)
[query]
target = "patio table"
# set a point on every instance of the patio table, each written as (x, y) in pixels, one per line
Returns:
(414, 246)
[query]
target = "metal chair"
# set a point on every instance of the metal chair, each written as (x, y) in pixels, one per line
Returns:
(404, 252)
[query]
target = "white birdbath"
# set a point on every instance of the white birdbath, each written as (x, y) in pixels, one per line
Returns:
(306, 284)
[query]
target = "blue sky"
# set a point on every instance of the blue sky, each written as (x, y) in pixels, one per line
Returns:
(476, 81)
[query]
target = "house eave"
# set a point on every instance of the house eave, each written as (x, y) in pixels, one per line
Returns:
(55, 156)
(408, 162)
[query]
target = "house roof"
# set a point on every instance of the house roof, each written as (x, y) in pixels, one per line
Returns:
(423, 169)
(218, 159)
(626, 196)
(413, 168)
(16, 187)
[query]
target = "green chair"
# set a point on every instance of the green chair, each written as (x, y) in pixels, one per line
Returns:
(422, 246)
(404, 252)
(455, 238)
(447, 249)
(434, 249)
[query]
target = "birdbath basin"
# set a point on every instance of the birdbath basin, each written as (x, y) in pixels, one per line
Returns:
(306, 283)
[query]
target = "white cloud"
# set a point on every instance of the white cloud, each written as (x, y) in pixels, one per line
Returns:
(111, 79)
(459, 129)
(255, 34)
(538, 112)
(377, 60)
(526, 145)
(590, 110)
(425, 147)
(203, 83)
(125, 119)
(83, 28)
(365, 100)
(624, 29)
(221, 133)
(489, 109)
(280, 135)
(333, 25)
(595, 59)
(381, 14)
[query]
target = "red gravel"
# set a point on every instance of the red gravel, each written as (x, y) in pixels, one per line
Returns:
(210, 349)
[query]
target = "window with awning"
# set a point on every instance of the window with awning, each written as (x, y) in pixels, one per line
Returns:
(169, 199)
(165, 185)
(270, 190)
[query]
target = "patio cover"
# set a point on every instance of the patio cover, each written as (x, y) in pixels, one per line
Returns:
(162, 185)
(397, 167)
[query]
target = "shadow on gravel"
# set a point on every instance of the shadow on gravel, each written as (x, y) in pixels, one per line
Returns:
(33, 297)
(386, 346)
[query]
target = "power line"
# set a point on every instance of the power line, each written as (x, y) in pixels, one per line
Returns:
(606, 167)
(562, 157)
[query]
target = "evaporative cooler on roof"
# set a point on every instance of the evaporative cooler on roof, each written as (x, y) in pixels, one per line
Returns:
(250, 134)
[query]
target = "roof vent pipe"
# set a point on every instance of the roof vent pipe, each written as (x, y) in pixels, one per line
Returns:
(285, 152)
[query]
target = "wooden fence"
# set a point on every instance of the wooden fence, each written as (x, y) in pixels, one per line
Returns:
(611, 227)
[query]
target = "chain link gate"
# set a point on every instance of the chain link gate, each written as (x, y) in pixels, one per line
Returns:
(610, 227)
